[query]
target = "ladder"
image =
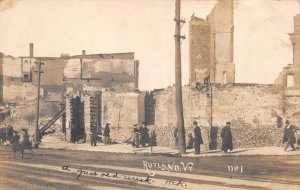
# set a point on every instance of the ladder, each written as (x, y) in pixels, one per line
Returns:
(43, 129)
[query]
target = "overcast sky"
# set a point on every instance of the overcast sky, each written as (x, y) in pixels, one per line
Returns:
(146, 27)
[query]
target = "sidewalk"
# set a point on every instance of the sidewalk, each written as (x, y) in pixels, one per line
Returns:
(48, 143)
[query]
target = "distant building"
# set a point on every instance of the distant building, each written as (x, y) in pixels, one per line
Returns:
(18, 78)
(211, 46)
(290, 76)
(81, 91)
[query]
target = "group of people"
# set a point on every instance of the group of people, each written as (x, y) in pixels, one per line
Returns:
(197, 140)
(289, 138)
(106, 135)
(140, 136)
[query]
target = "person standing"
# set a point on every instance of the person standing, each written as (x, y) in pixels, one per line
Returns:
(153, 138)
(176, 137)
(93, 135)
(198, 137)
(144, 135)
(136, 136)
(289, 136)
(226, 138)
(140, 138)
(106, 133)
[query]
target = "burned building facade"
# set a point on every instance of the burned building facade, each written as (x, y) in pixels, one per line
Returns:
(118, 71)
(290, 76)
(211, 46)
(257, 111)
(103, 88)
(69, 84)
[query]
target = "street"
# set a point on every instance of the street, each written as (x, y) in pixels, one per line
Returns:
(65, 169)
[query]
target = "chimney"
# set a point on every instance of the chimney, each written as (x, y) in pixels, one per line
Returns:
(31, 50)
(83, 52)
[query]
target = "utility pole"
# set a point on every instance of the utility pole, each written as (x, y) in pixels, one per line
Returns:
(37, 135)
(178, 85)
(211, 115)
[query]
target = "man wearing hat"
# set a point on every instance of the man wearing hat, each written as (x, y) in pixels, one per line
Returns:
(289, 136)
(198, 137)
(226, 138)
(93, 135)
(144, 134)
(106, 133)
(136, 136)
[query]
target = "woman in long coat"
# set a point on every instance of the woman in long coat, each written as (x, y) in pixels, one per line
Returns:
(226, 138)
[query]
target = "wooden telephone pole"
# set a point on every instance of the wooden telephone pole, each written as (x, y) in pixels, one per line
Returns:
(37, 135)
(178, 85)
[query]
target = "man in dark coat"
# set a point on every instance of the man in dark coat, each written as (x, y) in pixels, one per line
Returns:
(144, 135)
(198, 137)
(176, 136)
(106, 133)
(289, 135)
(136, 136)
(226, 138)
(93, 134)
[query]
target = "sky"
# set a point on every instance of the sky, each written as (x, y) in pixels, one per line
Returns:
(146, 27)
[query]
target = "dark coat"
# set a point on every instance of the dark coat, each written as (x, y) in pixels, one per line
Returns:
(198, 137)
(175, 133)
(289, 134)
(226, 138)
(106, 131)
(145, 134)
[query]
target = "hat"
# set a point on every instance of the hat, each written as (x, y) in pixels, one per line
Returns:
(195, 122)
(228, 123)
(134, 124)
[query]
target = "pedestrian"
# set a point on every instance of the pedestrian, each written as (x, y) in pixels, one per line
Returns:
(289, 135)
(198, 137)
(144, 135)
(191, 142)
(176, 136)
(93, 135)
(153, 138)
(136, 136)
(106, 133)
(226, 138)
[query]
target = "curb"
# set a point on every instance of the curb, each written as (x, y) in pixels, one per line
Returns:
(136, 153)
(191, 155)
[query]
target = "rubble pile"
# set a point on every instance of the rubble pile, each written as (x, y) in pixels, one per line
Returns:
(261, 136)
(165, 136)
(55, 132)
(243, 137)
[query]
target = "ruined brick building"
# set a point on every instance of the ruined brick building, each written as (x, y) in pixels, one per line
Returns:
(290, 76)
(211, 46)
(118, 71)
(257, 111)
(71, 90)
(100, 88)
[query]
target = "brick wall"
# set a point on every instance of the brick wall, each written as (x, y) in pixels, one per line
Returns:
(211, 45)
(200, 55)
(122, 110)
(254, 111)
